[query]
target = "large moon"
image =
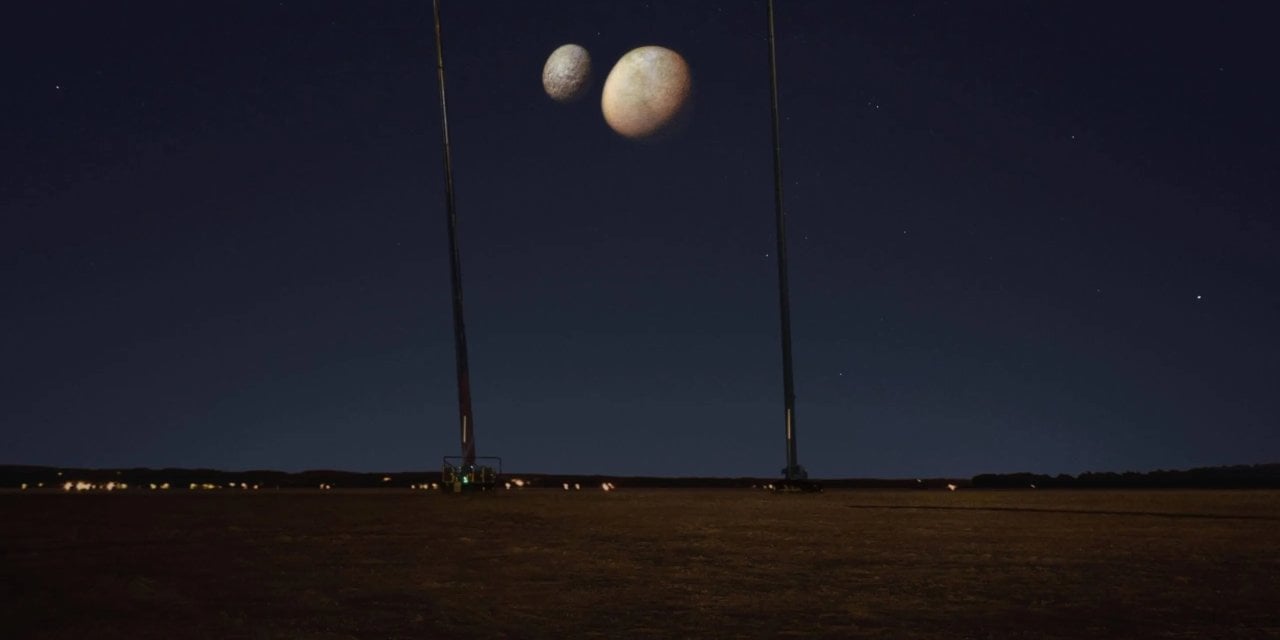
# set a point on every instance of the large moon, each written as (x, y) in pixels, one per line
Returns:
(567, 74)
(645, 91)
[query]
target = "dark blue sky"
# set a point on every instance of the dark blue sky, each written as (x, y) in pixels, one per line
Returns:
(1024, 236)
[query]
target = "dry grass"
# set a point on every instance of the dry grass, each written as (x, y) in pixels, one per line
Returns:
(675, 563)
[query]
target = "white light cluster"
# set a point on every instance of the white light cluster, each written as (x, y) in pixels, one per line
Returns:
(84, 485)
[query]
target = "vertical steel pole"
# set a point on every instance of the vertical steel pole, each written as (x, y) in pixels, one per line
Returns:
(784, 297)
(455, 266)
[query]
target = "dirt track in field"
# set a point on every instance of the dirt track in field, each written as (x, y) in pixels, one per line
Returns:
(546, 563)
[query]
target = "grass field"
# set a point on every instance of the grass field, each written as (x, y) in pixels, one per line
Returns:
(629, 564)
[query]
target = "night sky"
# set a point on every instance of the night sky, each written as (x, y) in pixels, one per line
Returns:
(1023, 236)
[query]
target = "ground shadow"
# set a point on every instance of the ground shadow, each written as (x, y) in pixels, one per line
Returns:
(1157, 514)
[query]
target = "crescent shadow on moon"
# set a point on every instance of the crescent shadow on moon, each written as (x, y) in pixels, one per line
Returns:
(679, 123)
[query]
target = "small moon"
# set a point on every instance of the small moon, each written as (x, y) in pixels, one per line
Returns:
(567, 74)
(645, 91)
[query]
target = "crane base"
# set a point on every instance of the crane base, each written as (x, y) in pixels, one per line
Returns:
(797, 486)
(481, 474)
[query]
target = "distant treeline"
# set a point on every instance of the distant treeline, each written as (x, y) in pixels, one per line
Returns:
(1229, 477)
(1257, 476)
(143, 478)
(184, 478)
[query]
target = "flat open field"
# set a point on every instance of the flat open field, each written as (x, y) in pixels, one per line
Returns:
(656, 563)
